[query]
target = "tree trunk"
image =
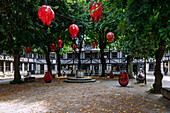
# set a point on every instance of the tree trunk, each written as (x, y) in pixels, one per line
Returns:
(158, 75)
(130, 66)
(59, 63)
(47, 57)
(80, 47)
(17, 77)
(145, 70)
(103, 61)
(79, 63)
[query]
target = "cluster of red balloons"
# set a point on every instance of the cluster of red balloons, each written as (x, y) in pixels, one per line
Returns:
(28, 50)
(74, 46)
(46, 14)
(94, 44)
(96, 11)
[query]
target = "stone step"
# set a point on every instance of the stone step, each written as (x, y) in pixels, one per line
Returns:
(80, 80)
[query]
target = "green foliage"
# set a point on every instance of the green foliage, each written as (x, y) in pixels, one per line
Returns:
(151, 90)
(143, 26)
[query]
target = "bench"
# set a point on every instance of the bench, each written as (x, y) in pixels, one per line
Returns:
(140, 80)
(165, 91)
(71, 75)
(30, 79)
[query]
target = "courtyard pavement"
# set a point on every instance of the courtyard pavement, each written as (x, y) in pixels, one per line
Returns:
(103, 96)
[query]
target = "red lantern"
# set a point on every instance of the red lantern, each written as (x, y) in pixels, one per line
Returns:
(53, 47)
(46, 14)
(74, 29)
(28, 50)
(94, 44)
(59, 43)
(110, 36)
(74, 46)
(48, 78)
(96, 11)
(123, 79)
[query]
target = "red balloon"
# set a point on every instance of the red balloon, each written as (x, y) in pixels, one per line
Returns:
(48, 78)
(94, 44)
(59, 43)
(46, 14)
(28, 50)
(74, 29)
(123, 79)
(110, 36)
(111, 74)
(74, 46)
(53, 47)
(96, 11)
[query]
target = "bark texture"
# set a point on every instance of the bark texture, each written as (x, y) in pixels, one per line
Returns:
(17, 77)
(59, 63)
(47, 58)
(158, 75)
(130, 66)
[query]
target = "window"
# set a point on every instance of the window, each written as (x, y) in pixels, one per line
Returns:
(52, 56)
(94, 55)
(1, 66)
(106, 55)
(61, 56)
(30, 55)
(53, 67)
(114, 55)
(87, 55)
(40, 56)
(69, 56)
(123, 55)
(7, 66)
(87, 43)
(25, 66)
(151, 67)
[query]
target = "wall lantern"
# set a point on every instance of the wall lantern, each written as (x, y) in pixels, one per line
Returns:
(59, 43)
(53, 47)
(28, 50)
(74, 29)
(46, 14)
(74, 46)
(96, 11)
(94, 43)
(110, 36)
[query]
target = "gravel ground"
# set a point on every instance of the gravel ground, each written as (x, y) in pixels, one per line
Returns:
(105, 95)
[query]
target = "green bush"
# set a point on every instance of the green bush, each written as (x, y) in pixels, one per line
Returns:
(151, 90)
(17, 82)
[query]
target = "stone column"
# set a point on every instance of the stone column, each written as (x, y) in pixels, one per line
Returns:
(168, 67)
(27, 66)
(162, 68)
(12, 67)
(22, 67)
(4, 67)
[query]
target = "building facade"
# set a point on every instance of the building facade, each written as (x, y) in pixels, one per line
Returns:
(90, 60)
